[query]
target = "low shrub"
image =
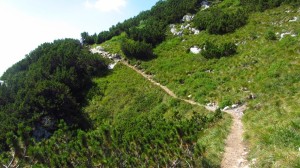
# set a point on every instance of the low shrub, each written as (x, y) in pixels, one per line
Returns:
(214, 51)
(136, 49)
(217, 21)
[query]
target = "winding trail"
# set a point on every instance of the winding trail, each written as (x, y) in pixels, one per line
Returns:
(235, 155)
(166, 89)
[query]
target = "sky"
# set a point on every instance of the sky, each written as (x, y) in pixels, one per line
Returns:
(25, 24)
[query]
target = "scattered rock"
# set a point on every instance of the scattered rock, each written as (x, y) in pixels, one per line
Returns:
(189, 96)
(234, 106)
(286, 33)
(251, 96)
(183, 27)
(194, 31)
(209, 71)
(244, 89)
(212, 104)
(226, 108)
(195, 50)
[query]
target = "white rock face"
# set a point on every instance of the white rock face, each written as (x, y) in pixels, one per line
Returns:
(195, 50)
(114, 57)
(1, 82)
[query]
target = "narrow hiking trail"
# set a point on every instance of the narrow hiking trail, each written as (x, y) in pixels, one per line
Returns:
(235, 155)
(166, 89)
(235, 151)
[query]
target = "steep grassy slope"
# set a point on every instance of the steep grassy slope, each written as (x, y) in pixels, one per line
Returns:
(268, 69)
(125, 97)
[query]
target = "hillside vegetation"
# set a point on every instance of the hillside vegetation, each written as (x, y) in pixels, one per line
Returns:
(62, 107)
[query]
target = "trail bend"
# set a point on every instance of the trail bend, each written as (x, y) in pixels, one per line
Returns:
(235, 154)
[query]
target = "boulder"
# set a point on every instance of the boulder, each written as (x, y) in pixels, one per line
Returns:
(195, 50)
(226, 108)
(187, 18)
(294, 19)
(234, 106)
(174, 31)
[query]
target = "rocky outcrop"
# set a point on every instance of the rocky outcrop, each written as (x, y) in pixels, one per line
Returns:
(113, 57)
(185, 27)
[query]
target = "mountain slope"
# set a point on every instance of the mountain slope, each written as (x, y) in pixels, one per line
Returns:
(263, 74)
(239, 55)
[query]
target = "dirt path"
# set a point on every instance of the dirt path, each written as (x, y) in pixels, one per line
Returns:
(235, 155)
(166, 89)
(235, 151)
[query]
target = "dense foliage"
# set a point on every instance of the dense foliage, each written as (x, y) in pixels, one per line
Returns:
(149, 25)
(136, 49)
(47, 86)
(217, 21)
(212, 50)
(147, 140)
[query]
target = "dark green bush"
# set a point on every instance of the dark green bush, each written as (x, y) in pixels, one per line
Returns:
(270, 35)
(136, 49)
(217, 21)
(214, 51)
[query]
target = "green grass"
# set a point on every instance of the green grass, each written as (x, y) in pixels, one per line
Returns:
(123, 95)
(268, 68)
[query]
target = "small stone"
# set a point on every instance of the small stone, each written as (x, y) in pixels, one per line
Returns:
(226, 108)
(234, 106)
